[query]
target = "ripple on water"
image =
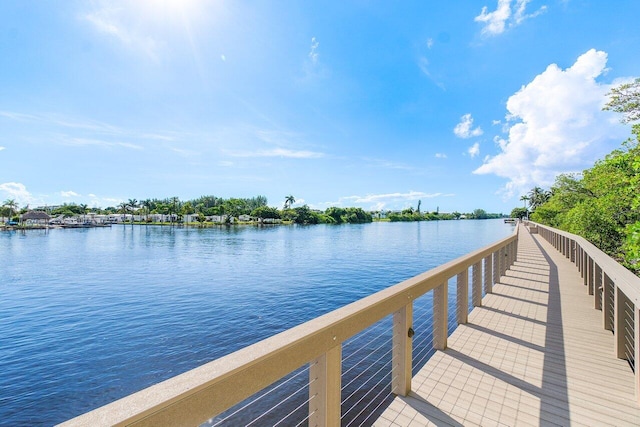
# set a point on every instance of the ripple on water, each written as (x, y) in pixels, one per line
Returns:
(90, 315)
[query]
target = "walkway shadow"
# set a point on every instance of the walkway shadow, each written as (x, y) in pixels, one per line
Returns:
(554, 348)
(429, 411)
(553, 389)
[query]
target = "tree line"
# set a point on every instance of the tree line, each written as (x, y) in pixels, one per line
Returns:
(602, 204)
(256, 207)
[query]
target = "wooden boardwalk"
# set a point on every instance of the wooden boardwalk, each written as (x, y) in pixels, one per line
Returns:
(534, 354)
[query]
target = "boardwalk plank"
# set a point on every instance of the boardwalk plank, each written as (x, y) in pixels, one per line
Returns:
(534, 354)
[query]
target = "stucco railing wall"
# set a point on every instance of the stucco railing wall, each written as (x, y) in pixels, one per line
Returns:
(195, 396)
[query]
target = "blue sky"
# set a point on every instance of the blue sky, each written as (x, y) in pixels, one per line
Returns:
(343, 103)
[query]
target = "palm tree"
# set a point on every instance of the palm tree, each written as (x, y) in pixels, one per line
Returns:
(132, 204)
(537, 197)
(174, 207)
(288, 201)
(123, 209)
(12, 205)
(146, 204)
(83, 208)
(525, 199)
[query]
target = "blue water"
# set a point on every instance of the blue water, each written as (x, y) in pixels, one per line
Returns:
(91, 315)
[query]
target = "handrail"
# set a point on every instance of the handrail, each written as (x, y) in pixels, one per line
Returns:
(628, 282)
(616, 291)
(195, 396)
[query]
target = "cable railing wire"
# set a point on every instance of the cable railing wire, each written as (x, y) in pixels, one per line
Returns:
(365, 395)
(306, 402)
(385, 332)
(371, 329)
(379, 336)
(267, 392)
(364, 371)
(281, 402)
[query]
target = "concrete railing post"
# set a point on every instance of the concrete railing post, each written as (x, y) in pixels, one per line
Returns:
(505, 260)
(476, 284)
(584, 267)
(440, 331)
(590, 281)
(325, 388)
(636, 350)
(488, 276)
(402, 350)
(618, 318)
(607, 289)
(462, 296)
(597, 286)
(496, 268)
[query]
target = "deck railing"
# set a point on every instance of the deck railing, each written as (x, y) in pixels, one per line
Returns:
(196, 396)
(616, 291)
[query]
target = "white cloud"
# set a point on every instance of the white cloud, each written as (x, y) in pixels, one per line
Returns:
(69, 194)
(521, 14)
(224, 58)
(464, 128)
(110, 21)
(474, 150)
(441, 156)
(382, 201)
(80, 142)
(278, 152)
(387, 164)
(559, 126)
(2, 148)
(497, 21)
(429, 43)
(423, 64)
(313, 53)
(494, 22)
(16, 191)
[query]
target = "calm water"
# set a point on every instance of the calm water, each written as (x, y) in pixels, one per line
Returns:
(91, 315)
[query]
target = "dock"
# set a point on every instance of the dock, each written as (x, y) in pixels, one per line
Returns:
(535, 353)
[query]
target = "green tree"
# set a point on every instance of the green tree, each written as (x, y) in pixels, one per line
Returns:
(265, 212)
(132, 205)
(123, 208)
(601, 205)
(288, 201)
(187, 209)
(537, 196)
(304, 215)
(11, 205)
(625, 99)
(146, 205)
(480, 214)
(518, 213)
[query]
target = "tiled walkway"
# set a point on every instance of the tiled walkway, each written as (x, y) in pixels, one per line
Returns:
(534, 354)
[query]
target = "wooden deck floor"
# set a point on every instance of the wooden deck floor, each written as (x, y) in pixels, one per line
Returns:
(534, 354)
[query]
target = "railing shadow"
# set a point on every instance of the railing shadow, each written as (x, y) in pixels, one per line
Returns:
(552, 392)
(429, 411)
(554, 354)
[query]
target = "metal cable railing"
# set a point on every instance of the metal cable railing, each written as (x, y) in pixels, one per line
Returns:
(262, 404)
(364, 380)
(611, 302)
(629, 333)
(356, 362)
